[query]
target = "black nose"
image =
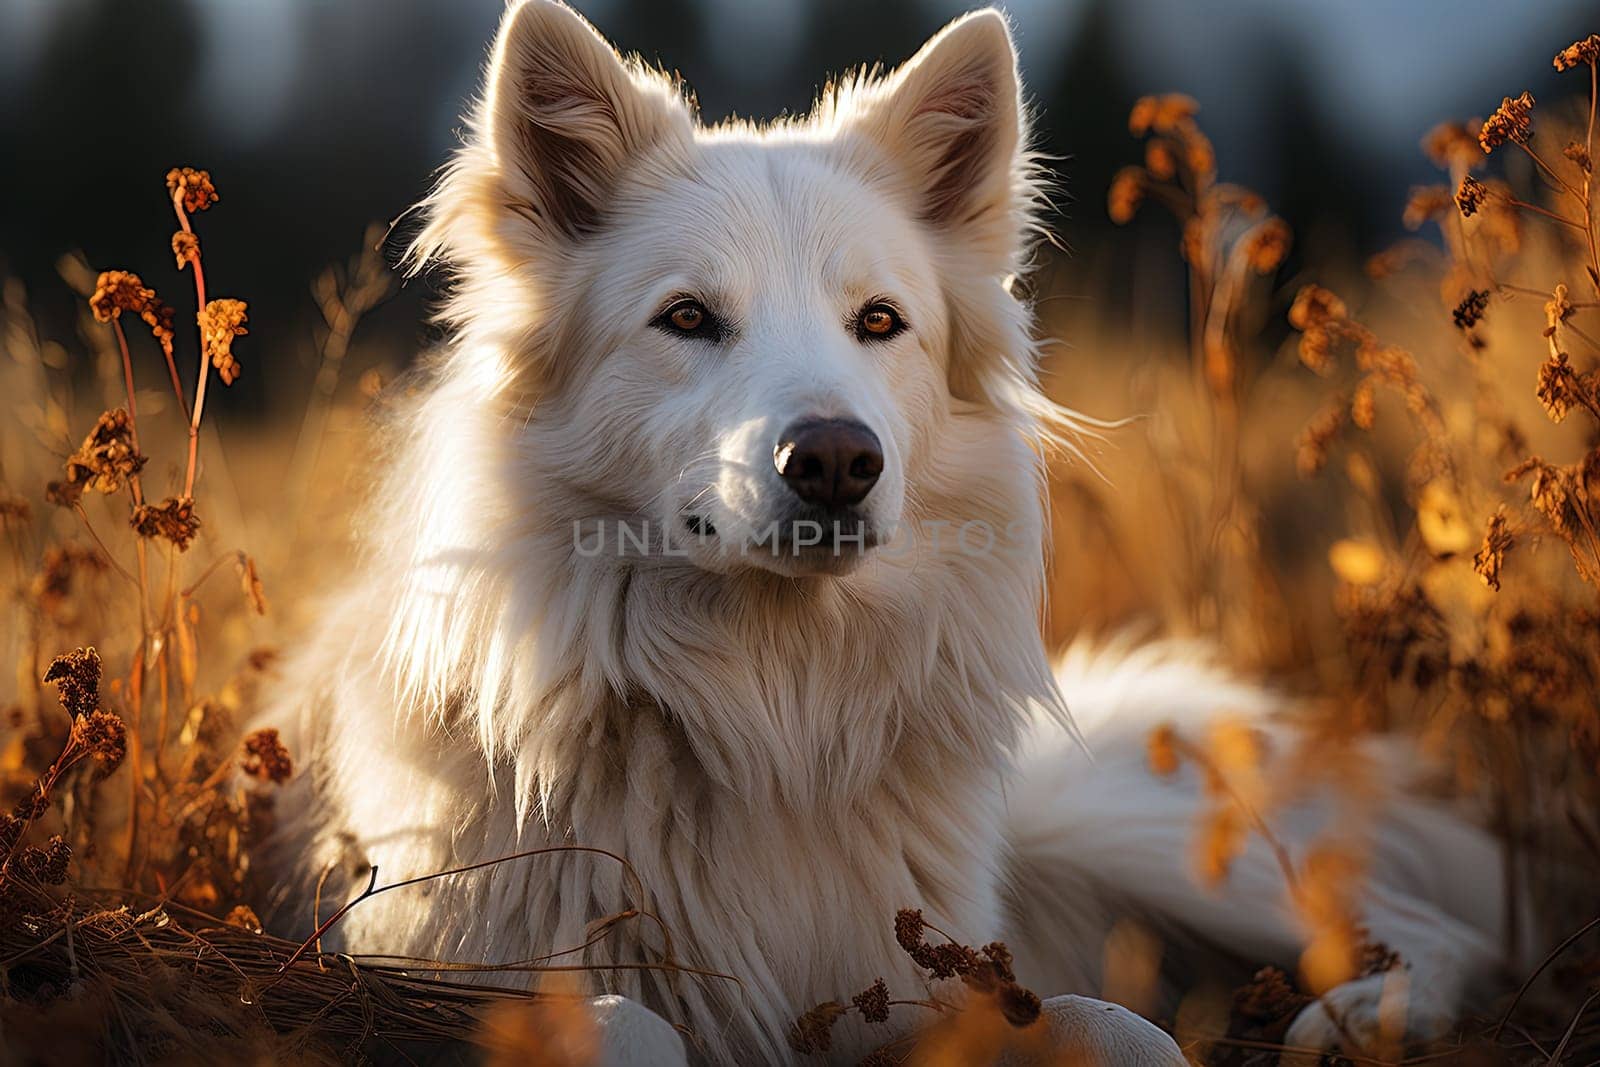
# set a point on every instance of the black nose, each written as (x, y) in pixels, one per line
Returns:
(833, 462)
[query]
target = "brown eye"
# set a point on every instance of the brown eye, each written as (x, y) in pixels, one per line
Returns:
(687, 317)
(690, 318)
(878, 322)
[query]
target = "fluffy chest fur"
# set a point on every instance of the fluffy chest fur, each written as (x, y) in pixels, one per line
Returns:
(774, 856)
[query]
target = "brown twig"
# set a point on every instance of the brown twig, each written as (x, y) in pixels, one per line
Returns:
(198, 410)
(1522, 990)
(373, 889)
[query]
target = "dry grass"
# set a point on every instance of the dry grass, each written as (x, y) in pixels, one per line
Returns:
(1398, 512)
(1460, 564)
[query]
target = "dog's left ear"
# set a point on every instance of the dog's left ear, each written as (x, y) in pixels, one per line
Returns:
(950, 121)
(567, 115)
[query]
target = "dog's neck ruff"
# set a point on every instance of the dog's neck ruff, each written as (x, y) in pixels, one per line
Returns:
(807, 693)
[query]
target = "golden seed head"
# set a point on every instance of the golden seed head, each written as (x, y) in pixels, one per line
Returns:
(873, 1002)
(1557, 309)
(1319, 436)
(1127, 193)
(1198, 153)
(107, 457)
(1554, 493)
(1454, 144)
(103, 736)
(1163, 114)
(908, 928)
(1512, 121)
(193, 186)
(63, 494)
(1497, 541)
(1397, 257)
(1222, 837)
(1586, 51)
(1469, 312)
(812, 1033)
(1160, 160)
(1269, 997)
(1427, 202)
(1364, 403)
(1316, 306)
(185, 248)
(265, 757)
(1161, 750)
(1558, 390)
(1471, 196)
(220, 322)
(1268, 245)
(77, 678)
(172, 520)
(117, 291)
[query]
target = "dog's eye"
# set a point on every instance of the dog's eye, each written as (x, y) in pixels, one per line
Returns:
(878, 322)
(687, 317)
(690, 318)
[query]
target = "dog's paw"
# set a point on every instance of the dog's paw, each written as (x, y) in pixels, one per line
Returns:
(1373, 1016)
(1083, 1030)
(631, 1035)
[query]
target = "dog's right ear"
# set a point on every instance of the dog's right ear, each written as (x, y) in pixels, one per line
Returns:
(565, 114)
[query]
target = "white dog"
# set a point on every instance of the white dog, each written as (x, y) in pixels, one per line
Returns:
(715, 542)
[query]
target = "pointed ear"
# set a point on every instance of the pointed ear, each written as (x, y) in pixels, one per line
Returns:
(566, 114)
(951, 123)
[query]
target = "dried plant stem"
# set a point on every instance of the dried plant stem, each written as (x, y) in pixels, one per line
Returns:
(1594, 93)
(133, 407)
(1588, 184)
(205, 362)
(1273, 1046)
(236, 556)
(141, 553)
(1527, 983)
(1549, 170)
(162, 716)
(373, 889)
(1581, 333)
(134, 486)
(1508, 287)
(88, 526)
(71, 755)
(605, 927)
(1523, 205)
(1572, 1028)
(1188, 750)
(177, 382)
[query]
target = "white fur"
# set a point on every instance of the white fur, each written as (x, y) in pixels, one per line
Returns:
(785, 750)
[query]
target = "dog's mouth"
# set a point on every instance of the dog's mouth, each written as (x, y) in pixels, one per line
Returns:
(808, 541)
(823, 532)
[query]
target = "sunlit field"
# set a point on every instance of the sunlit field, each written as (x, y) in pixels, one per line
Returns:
(1373, 485)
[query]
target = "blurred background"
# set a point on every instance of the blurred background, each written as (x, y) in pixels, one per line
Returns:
(318, 117)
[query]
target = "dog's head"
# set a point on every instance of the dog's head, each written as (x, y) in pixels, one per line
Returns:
(775, 347)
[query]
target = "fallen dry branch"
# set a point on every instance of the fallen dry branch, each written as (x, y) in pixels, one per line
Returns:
(167, 980)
